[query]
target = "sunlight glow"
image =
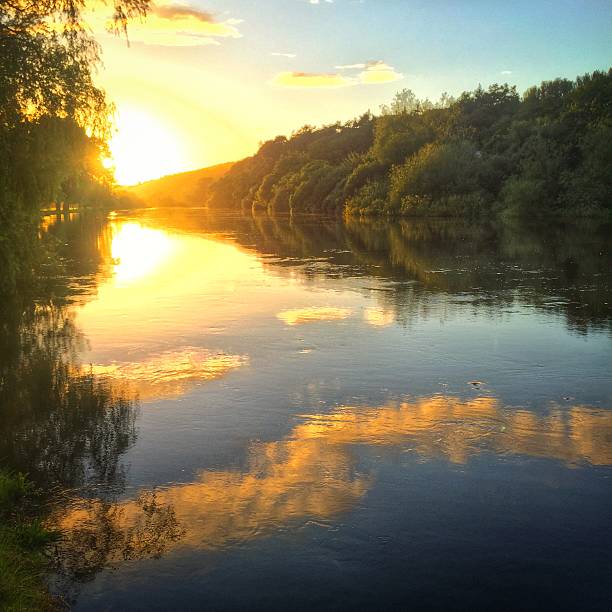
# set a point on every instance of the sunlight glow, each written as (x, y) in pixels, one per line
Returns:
(143, 148)
(137, 251)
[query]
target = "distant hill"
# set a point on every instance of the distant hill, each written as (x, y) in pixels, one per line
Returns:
(183, 189)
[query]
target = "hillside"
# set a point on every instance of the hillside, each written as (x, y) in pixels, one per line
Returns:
(487, 152)
(183, 189)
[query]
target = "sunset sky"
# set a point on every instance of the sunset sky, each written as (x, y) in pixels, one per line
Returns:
(204, 82)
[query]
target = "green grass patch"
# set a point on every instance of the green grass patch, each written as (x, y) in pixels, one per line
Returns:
(23, 563)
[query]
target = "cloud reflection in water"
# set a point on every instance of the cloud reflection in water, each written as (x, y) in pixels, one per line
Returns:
(298, 316)
(313, 473)
(171, 373)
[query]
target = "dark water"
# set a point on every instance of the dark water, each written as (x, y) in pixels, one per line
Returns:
(255, 413)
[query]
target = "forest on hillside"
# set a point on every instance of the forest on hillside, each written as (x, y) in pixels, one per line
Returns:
(489, 151)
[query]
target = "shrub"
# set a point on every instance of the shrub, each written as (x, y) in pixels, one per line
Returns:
(366, 170)
(372, 198)
(521, 196)
(468, 205)
(437, 171)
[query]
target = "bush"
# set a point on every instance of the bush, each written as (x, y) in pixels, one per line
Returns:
(22, 544)
(365, 170)
(437, 171)
(469, 205)
(13, 488)
(371, 199)
(522, 196)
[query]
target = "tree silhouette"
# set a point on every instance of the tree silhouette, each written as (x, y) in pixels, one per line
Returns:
(54, 122)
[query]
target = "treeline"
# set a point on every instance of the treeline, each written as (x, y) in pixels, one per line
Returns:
(489, 151)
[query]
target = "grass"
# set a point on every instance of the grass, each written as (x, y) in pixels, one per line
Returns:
(23, 563)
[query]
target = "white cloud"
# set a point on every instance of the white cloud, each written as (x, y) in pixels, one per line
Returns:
(379, 72)
(369, 73)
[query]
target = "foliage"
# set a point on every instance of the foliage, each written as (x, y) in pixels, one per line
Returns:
(313, 163)
(405, 101)
(13, 488)
(54, 121)
(489, 151)
(398, 137)
(437, 170)
(22, 548)
(371, 199)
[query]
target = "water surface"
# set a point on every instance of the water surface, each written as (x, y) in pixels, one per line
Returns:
(256, 413)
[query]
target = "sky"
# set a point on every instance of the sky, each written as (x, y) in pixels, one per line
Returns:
(205, 81)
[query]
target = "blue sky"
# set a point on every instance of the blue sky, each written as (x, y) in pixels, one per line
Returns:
(437, 44)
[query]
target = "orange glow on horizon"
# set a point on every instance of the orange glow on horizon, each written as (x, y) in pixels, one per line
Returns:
(144, 148)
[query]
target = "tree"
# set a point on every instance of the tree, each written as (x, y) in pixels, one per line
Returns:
(404, 101)
(54, 121)
(47, 58)
(489, 151)
(396, 137)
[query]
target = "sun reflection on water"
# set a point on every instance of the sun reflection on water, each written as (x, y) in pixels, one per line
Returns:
(137, 251)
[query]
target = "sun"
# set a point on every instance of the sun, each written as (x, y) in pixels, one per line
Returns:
(144, 148)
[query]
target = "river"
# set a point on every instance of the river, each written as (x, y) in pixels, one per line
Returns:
(236, 412)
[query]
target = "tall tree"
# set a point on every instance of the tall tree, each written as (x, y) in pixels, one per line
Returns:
(54, 120)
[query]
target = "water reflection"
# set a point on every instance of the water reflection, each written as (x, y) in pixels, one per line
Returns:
(170, 275)
(559, 268)
(456, 430)
(162, 288)
(137, 251)
(313, 473)
(171, 373)
(101, 535)
(378, 317)
(298, 316)
(60, 423)
(217, 308)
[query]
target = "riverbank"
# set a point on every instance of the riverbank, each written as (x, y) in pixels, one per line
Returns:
(23, 542)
